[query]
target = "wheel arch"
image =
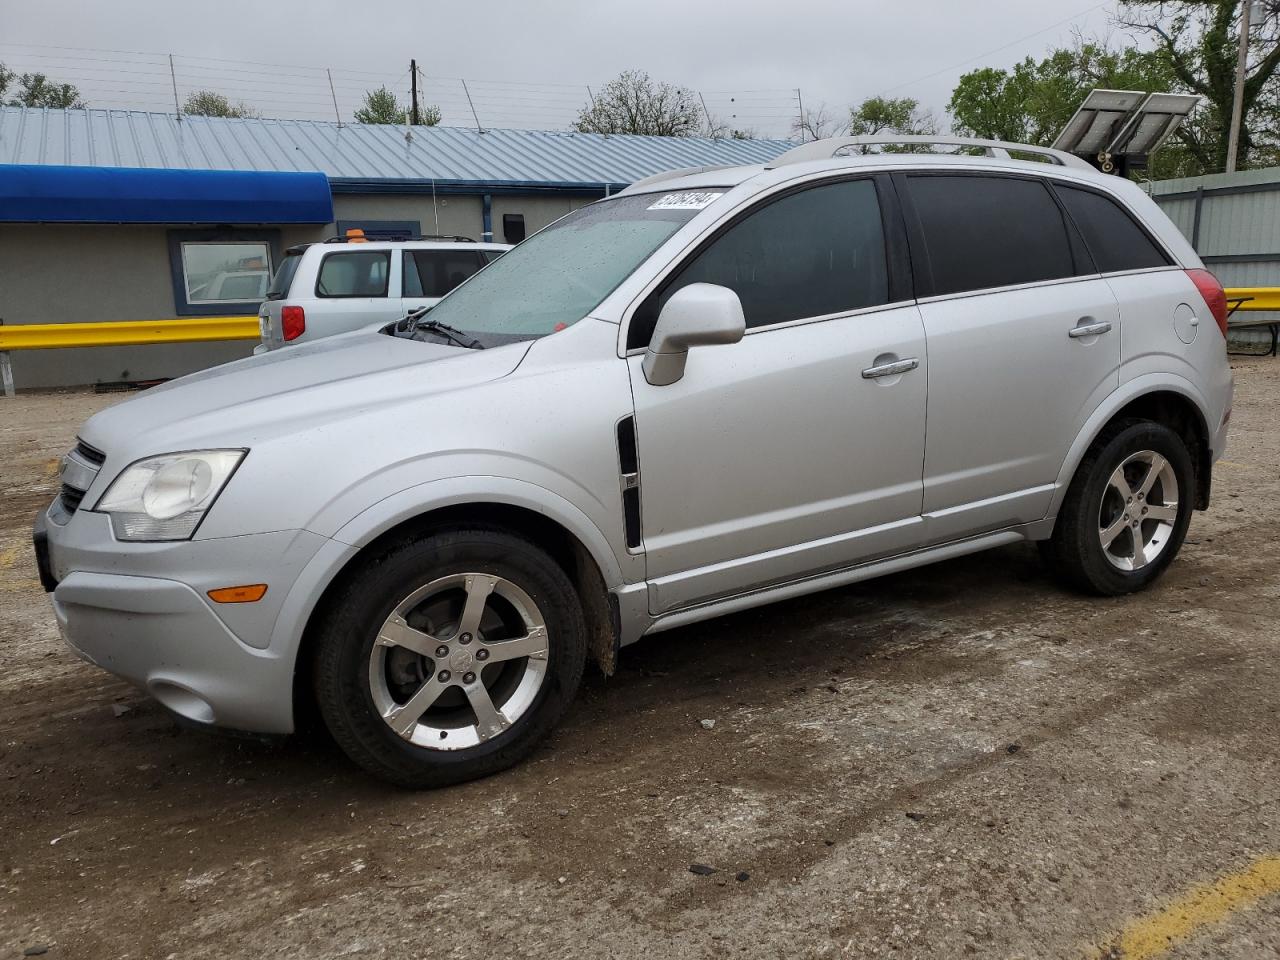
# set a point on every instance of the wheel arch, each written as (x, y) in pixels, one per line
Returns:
(1171, 401)
(574, 542)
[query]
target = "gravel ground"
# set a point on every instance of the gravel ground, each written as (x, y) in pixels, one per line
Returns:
(962, 760)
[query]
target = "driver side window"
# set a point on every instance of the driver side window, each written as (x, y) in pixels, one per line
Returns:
(815, 252)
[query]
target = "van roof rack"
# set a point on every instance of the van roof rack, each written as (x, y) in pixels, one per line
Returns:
(828, 148)
(361, 238)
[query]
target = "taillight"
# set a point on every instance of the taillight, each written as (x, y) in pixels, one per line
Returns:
(1215, 297)
(293, 322)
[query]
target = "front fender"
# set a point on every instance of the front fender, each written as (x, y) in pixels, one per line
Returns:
(422, 498)
(1128, 392)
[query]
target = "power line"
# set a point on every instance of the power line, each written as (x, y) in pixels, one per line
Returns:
(1012, 43)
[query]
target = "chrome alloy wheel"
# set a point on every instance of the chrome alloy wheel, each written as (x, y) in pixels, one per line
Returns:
(458, 661)
(1138, 511)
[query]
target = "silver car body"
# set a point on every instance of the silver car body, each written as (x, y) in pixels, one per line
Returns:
(771, 469)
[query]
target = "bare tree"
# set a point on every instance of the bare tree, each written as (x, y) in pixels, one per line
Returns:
(635, 103)
(818, 124)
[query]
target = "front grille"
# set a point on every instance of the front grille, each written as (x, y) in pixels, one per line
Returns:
(79, 468)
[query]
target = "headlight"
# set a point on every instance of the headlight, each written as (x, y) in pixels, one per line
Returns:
(165, 498)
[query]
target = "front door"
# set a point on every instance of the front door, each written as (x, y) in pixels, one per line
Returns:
(799, 449)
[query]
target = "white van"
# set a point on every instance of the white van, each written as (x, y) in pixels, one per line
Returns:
(347, 283)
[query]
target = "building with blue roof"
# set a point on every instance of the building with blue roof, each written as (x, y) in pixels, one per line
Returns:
(110, 215)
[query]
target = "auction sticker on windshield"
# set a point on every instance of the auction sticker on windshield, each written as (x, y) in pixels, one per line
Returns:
(686, 201)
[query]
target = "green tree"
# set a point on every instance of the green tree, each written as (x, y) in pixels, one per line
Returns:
(634, 103)
(381, 106)
(37, 90)
(891, 115)
(1033, 100)
(209, 103)
(1196, 41)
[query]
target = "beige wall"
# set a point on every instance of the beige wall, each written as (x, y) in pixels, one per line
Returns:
(458, 215)
(538, 211)
(60, 273)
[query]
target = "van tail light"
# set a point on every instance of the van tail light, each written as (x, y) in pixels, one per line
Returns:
(293, 322)
(1215, 297)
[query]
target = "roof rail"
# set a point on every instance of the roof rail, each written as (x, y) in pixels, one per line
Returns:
(674, 174)
(827, 149)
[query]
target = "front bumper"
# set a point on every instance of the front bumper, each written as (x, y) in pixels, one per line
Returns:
(141, 612)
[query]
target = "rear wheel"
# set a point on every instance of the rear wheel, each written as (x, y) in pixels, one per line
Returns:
(449, 658)
(1127, 510)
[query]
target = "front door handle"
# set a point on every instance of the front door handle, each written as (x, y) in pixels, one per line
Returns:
(1089, 329)
(890, 369)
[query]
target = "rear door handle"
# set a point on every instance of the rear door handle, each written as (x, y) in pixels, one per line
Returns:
(1089, 329)
(890, 369)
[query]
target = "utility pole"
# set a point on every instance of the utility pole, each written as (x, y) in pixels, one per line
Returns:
(800, 100)
(173, 78)
(413, 108)
(1237, 102)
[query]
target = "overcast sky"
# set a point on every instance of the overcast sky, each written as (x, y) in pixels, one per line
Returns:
(527, 62)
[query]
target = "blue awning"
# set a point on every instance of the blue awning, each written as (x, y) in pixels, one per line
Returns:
(53, 194)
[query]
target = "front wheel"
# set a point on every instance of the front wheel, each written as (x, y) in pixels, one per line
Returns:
(1127, 510)
(448, 658)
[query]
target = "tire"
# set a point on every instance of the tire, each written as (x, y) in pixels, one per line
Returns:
(391, 641)
(1123, 458)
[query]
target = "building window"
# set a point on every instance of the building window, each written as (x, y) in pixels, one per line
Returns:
(220, 273)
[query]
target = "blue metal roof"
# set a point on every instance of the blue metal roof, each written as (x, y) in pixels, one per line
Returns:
(378, 156)
(53, 194)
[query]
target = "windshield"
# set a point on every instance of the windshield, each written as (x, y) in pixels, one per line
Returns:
(560, 274)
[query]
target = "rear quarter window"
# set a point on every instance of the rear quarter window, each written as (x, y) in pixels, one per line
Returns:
(1115, 239)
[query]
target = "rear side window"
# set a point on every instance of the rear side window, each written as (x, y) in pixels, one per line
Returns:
(1114, 238)
(433, 273)
(983, 232)
(362, 274)
(816, 252)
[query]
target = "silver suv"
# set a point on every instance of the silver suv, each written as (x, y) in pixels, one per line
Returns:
(348, 283)
(711, 391)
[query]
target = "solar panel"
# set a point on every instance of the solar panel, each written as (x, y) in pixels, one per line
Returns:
(1097, 121)
(1152, 124)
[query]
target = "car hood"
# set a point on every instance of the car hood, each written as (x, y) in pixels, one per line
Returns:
(292, 390)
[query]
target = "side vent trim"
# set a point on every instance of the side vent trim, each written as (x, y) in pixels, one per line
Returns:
(629, 479)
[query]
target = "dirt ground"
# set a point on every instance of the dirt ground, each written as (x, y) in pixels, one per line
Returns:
(965, 760)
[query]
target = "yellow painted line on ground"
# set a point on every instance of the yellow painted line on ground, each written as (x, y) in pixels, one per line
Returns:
(1201, 906)
(8, 556)
(52, 466)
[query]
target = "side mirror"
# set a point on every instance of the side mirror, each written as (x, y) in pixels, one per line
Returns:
(699, 315)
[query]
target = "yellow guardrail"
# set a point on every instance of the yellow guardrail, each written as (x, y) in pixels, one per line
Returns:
(47, 336)
(1255, 298)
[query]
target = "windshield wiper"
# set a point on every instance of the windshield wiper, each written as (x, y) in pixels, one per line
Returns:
(452, 334)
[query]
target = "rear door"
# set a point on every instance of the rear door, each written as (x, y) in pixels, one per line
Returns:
(1024, 343)
(430, 274)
